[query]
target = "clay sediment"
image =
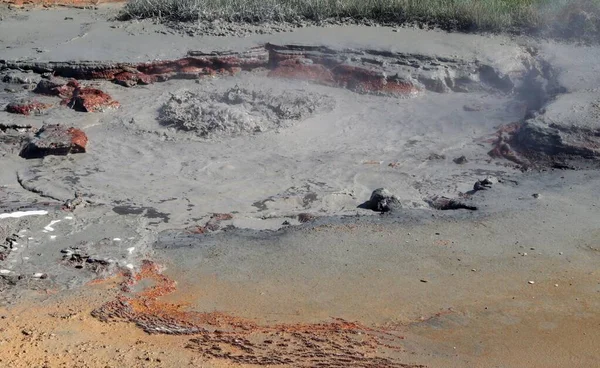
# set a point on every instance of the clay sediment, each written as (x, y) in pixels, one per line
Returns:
(223, 336)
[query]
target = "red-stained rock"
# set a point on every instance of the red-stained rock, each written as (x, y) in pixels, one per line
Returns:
(57, 140)
(89, 99)
(27, 107)
(312, 63)
(67, 90)
(363, 80)
(83, 98)
(302, 69)
(325, 66)
(107, 74)
(130, 79)
(187, 68)
(196, 65)
(56, 87)
(354, 78)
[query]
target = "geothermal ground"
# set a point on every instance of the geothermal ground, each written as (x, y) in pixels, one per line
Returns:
(168, 200)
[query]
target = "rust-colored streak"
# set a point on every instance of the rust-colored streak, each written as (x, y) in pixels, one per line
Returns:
(220, 335)
(129, 79)
(328, 70)
(364, 80)
(197, 67)
(309, 72)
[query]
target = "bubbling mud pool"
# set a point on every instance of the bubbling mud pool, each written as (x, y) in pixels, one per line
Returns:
(334, 124)
(263, 139)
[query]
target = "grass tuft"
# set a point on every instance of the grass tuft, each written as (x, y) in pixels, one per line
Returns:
(558, 18)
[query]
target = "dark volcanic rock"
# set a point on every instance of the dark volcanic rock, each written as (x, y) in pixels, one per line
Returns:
(383, 201)
(435, 156)
(482, 184)
(13, 136)
(21, 78)
(306, 217)
(554, 139)
(445, 204)
(55, 140)
(460, 160)
(56, 87)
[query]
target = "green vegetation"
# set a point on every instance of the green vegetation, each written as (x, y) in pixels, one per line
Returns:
(564, 18)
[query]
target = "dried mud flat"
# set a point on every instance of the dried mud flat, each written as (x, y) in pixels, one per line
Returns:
(207, 201)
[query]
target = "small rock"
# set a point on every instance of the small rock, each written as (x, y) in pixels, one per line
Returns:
(306, 217)
(55, 140)
(383, 201)
(40, 275)
(536, 195)
(531, 282)
(460, 160)
(73, 203)
(425, 281)
(482, 184)
(435, 156)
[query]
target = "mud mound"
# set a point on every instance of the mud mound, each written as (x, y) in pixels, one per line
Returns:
(240, 111)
